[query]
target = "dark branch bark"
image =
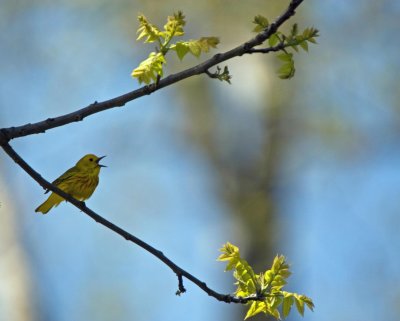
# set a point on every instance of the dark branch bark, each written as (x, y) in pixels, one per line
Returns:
(245, 48)
(279, 47)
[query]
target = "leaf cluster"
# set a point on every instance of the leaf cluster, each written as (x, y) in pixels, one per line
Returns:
(150, 69)
(293, 40)
(265, 289)
(222, 75)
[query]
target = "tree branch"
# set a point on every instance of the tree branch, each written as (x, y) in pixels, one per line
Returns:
(245, 48)
(278, 47)
(126, 235)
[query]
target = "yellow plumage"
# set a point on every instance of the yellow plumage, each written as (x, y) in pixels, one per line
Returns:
(79, 181)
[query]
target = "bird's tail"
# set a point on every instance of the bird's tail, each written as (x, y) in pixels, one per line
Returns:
(52, 201)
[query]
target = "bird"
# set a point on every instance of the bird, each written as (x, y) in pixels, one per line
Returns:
(79, 181)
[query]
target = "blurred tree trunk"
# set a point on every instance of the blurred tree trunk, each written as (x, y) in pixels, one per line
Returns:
(15, 291)
(250, 190)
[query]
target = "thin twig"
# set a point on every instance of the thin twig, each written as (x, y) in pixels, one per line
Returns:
(181, 288)
(245, 48)
(278, 47)
(210, 74)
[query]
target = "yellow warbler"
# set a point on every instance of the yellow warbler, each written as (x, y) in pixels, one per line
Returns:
(79, 181)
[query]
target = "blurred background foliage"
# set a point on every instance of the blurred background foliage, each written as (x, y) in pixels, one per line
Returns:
(307, 167)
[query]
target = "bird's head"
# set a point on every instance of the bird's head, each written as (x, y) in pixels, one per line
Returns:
(90, 161)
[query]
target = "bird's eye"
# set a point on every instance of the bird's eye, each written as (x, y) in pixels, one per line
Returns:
(91, 159)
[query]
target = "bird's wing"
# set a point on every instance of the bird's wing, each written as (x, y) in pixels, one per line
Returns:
(64, 177)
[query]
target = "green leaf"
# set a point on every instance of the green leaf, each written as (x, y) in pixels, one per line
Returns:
(181, 49)
(261, 23)
(304, 45)
(276, 301)
(287, 70)
(287, 304)
(309, 34)
(268, 276)
(275, 278)
(294, 30)
(309, 303)
(278, 280)
(208, 42)
(274, 312)
(225, 75)
(240, 293)
(195, 47)
(273, 39)
(312, 40)
(146, 29)
(174, 25)
(299, 304)
(231, 264)
(149, 69)
(285, 272)
(228, 251)
(255, 308)
(222, 75)
(287, 57)
(278, 283)
(244, 274)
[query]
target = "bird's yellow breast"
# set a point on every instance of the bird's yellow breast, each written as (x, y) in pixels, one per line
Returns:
(81, 186)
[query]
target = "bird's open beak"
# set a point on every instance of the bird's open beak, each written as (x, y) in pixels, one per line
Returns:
(99, 159)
